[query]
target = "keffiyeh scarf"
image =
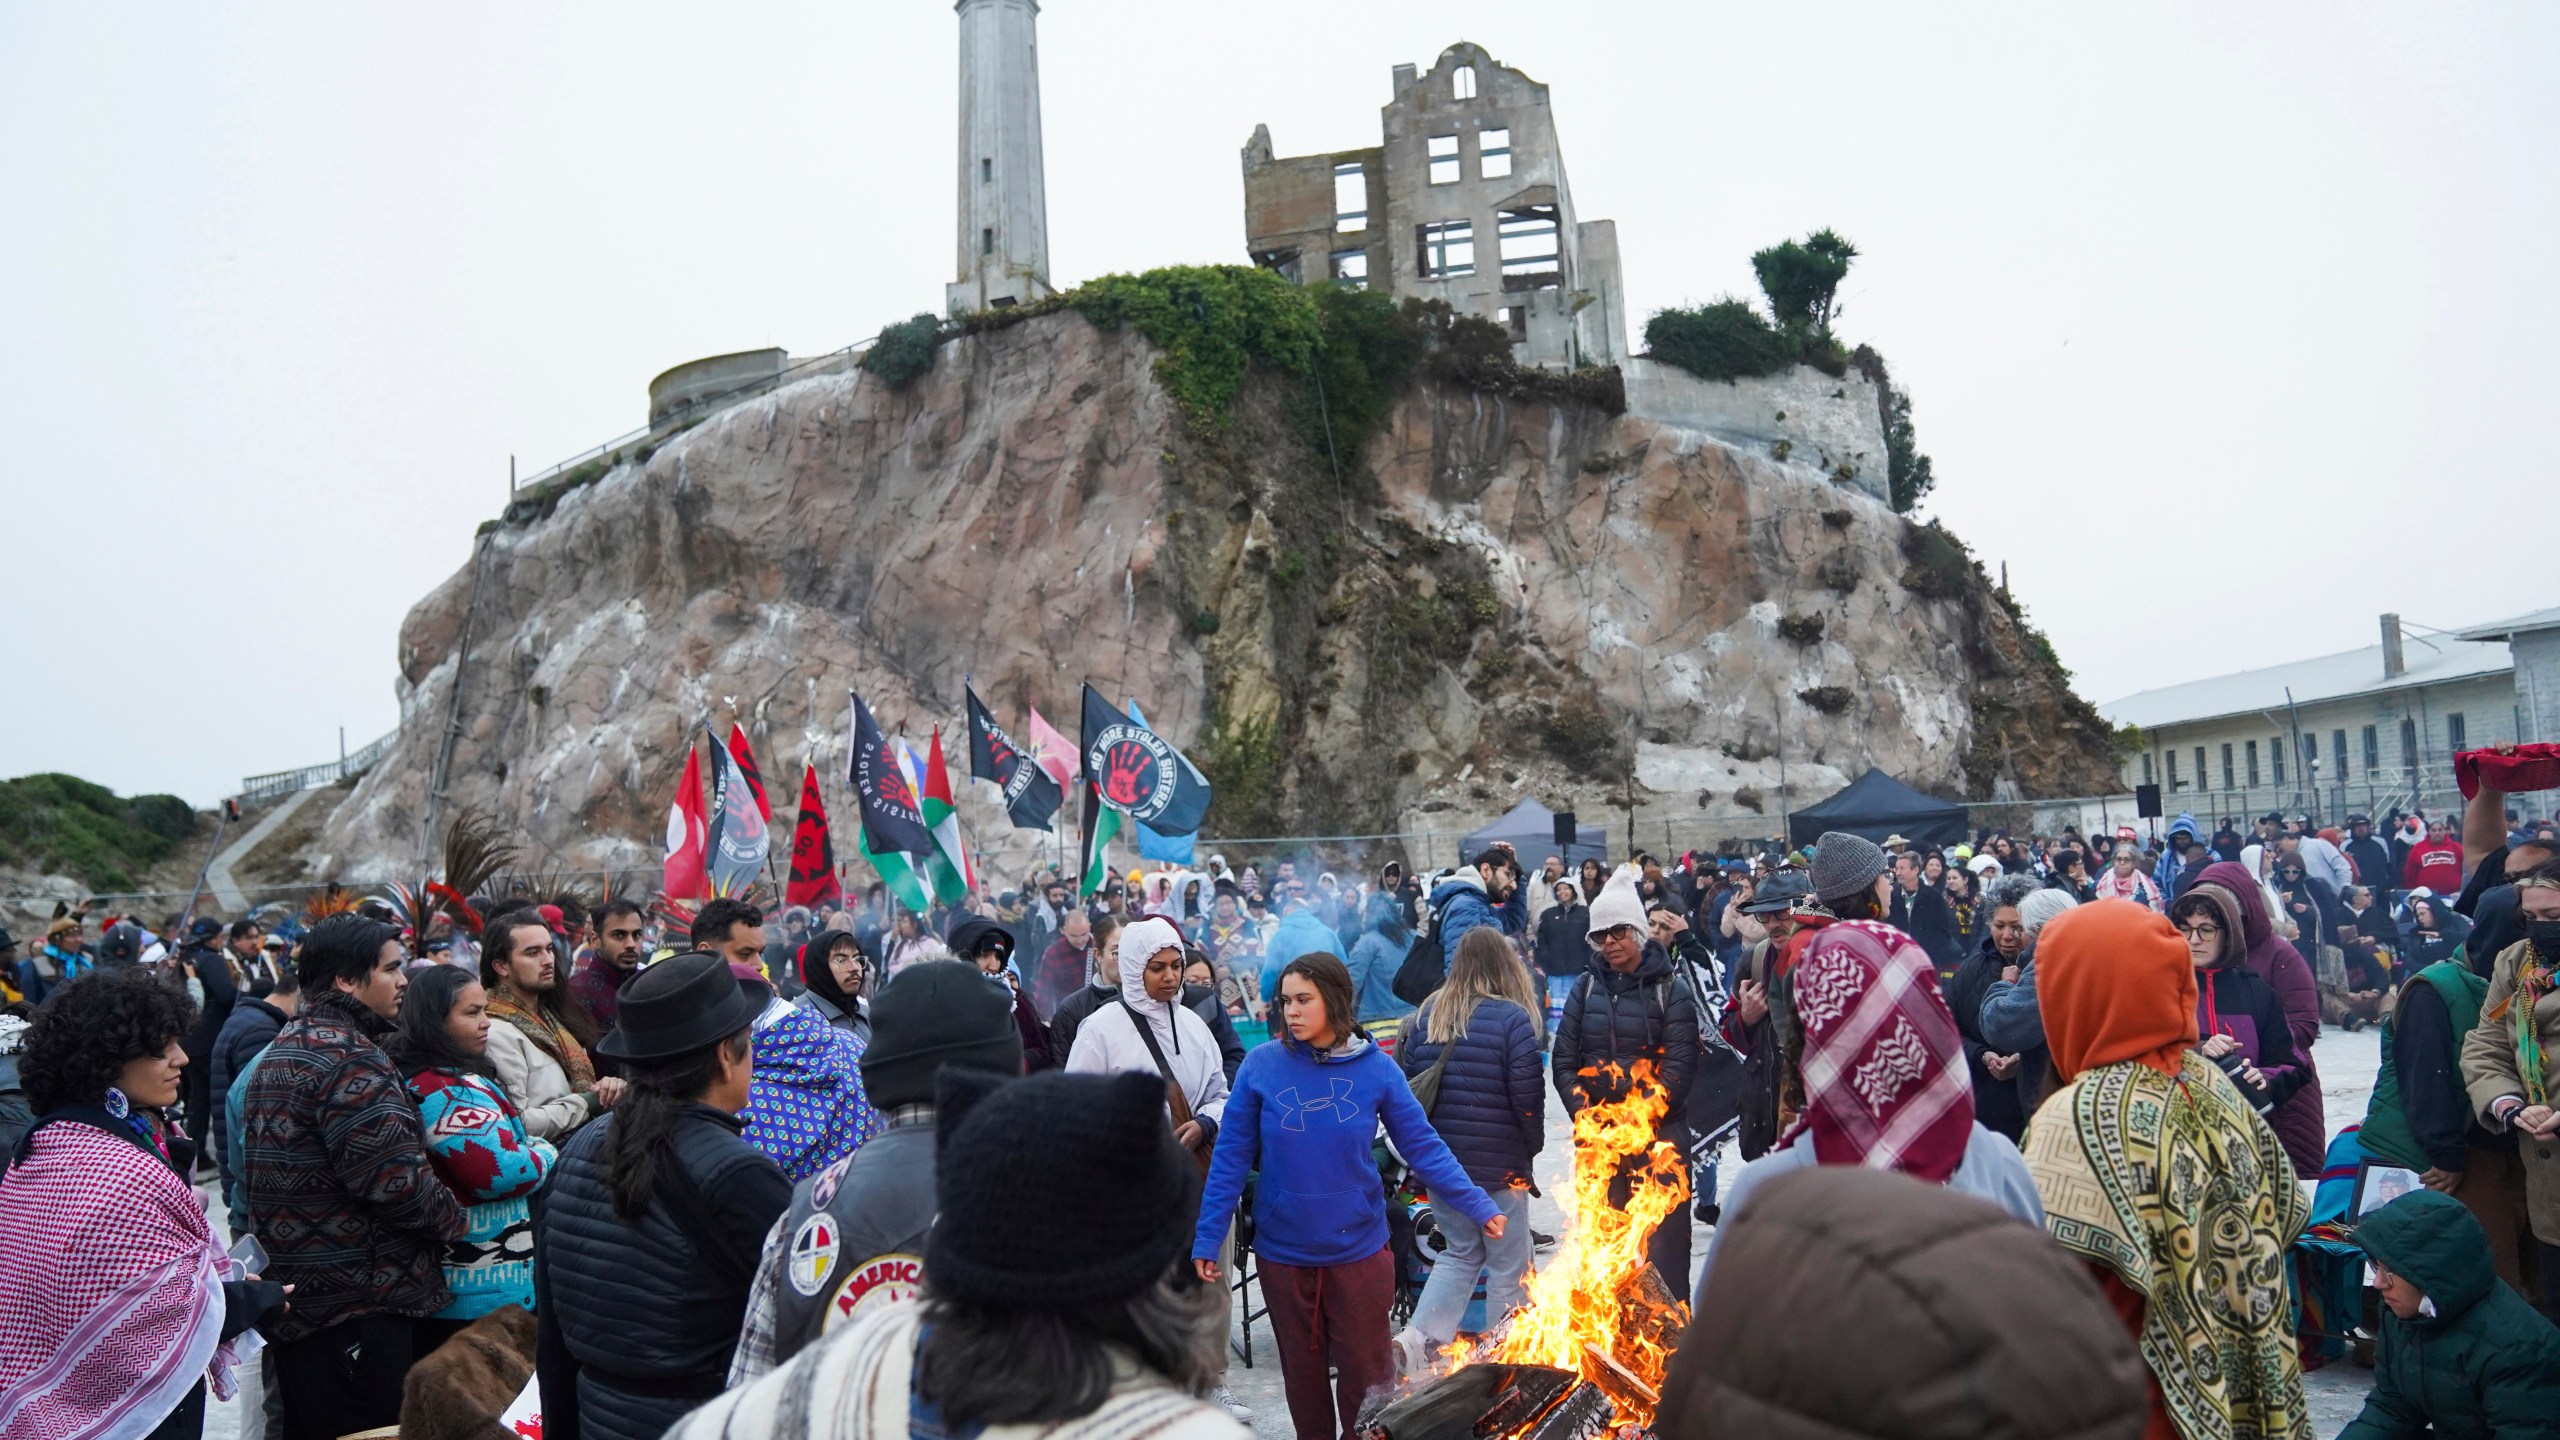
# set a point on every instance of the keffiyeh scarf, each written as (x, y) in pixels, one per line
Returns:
(1885, 1082)
(110, 1290)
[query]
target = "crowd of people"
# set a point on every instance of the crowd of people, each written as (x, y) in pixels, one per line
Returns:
(994, 1169)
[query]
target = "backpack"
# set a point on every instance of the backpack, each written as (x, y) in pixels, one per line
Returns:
(1426, 961)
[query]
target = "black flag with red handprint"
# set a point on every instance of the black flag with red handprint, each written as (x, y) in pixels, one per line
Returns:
(1031, 798)
(1134, 770)
(813, 851)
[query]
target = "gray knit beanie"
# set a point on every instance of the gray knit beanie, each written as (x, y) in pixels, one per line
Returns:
(1844, 864)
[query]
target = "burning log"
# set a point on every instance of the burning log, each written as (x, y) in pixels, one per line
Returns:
(1496, 1402)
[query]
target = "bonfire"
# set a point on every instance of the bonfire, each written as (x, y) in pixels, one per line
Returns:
(1586, 1355)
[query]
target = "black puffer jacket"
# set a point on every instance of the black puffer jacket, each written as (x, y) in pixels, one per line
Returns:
(1996, 1103)
(1564, 941)
(1491, 1110)
(639, 1324)
(252, 1026)
(1617, 1019)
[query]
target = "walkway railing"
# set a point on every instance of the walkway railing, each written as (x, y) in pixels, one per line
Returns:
(698, 409)
(257, 789)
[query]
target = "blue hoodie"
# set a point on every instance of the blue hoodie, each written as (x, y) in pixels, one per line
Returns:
(1298, 933)
(2164, 876)
(1304, 1120)
(1376, 957)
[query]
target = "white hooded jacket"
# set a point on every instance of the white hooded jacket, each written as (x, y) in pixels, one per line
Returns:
(1108, 1042)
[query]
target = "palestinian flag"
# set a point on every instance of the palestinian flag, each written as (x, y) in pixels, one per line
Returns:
(949, 863)
(1101, 826)
(746, 758)
(893, 831)
(813, 851)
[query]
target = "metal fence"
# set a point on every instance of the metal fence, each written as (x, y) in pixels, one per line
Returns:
(696, 410)
(258, 789)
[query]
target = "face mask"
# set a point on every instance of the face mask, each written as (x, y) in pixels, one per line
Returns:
(2545, 935)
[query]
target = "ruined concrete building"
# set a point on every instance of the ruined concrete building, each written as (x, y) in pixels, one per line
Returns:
(1465, 201)
(1004, 198)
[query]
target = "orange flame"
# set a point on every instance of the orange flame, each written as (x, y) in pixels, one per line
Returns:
(1590, 1310)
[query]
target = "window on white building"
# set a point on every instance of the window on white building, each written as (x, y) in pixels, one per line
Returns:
(1444, 159)
(1493, 153)
(2229, 780)
(2275, 757)
(2250, 753)
(2457, 736)
(2372, 750)
(1350, 199)
(1447, 248)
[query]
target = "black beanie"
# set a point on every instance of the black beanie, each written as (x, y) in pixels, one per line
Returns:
(1059, 1190)
(936, 1013)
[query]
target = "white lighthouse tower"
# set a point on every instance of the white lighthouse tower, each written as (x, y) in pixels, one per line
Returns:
(1004, 204)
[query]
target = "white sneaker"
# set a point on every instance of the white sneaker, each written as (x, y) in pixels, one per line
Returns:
(1234, 1406)
(1413, 1353)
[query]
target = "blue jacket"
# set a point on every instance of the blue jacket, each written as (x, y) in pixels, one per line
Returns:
(1468, 908)
(1492, 1106)
(1375, 958)
(2165, 874)
(1305, 1121)
(1300, 932)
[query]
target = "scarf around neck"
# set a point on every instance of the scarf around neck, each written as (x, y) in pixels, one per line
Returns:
(1884, 1077)
(542, 1026)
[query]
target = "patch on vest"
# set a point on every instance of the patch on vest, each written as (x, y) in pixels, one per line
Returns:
(823, 1189)
(884, 1279)
(813, 1253)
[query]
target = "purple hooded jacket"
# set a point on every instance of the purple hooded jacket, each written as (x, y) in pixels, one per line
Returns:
(2299, 1122)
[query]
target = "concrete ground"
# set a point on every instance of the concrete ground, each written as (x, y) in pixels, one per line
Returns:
(2347, 1065)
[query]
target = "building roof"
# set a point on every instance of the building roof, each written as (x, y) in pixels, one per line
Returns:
(2514, 626)
(2432, 660)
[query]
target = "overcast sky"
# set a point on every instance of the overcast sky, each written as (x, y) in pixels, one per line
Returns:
(2229, 326)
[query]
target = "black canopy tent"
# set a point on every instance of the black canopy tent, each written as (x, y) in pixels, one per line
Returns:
(1531, 829)
(1876, 805)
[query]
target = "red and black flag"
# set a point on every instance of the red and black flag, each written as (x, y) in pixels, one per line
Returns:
(1031, 798)
(813, 851)
(1138, 772)
(746, 759)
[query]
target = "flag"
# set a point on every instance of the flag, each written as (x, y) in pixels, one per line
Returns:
(813, 851)
(740, 838)
(1050, 750)
(892, 827)
(949, 863)
(1154, 844)
(687, 835)
(1139, 772)
(746, 758)
(1031, 796)
(1101, 824)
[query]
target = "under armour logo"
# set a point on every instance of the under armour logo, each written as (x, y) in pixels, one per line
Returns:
(1294, 1111)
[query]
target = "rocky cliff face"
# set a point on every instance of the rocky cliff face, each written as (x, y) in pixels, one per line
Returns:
(1497, 597)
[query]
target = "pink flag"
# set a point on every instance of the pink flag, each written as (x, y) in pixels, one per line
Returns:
(1050, 750)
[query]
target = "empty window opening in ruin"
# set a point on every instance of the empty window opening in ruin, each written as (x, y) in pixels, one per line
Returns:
(987, 171)
(1444, 159)
(1529, 241)
(1462, 83)
(987, 241)
(1448, 248)
(1350, 199)
(1515, 319)
(1351, 267)
(1493, 153)
(1284, 263)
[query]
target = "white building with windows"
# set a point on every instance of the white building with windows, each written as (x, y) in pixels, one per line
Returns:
(1465, 201)
(2362, 732)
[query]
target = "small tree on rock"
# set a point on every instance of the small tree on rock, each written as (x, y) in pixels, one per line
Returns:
(1802, 280)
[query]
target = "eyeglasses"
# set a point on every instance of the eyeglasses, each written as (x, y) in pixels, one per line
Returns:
(2201, 932)
(1623, 934)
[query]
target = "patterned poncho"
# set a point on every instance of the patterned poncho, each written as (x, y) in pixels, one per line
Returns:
(111, 1300)
(806, 1107)
(2179, 1190)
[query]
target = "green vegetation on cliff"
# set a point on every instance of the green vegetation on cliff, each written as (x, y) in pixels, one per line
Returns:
(61, 824)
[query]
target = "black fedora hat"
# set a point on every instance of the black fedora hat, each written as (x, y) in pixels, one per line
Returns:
(1782, 891)
(681, 1005)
